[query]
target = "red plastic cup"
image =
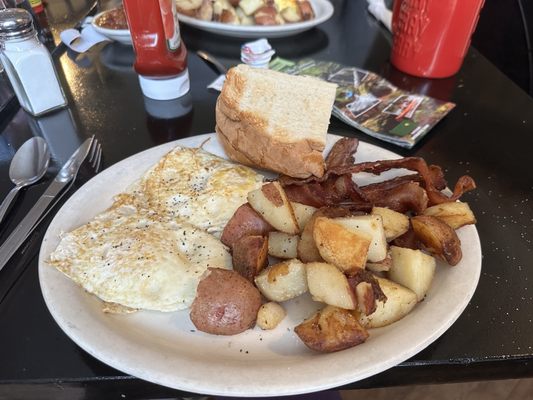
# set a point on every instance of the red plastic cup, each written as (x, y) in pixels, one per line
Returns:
(431, 37)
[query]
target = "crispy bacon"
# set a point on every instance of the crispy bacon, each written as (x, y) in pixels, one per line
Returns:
(402, 196)
(336, 190)
(430, 177)
(435, 196)
(342, 153)
(376, 294)
(408, 240)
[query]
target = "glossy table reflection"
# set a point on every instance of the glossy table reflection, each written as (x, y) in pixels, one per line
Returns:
(488, 135)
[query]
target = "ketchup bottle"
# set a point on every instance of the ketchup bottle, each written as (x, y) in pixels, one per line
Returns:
(161, 56)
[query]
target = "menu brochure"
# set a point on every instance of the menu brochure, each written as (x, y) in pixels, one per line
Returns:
(372, 104)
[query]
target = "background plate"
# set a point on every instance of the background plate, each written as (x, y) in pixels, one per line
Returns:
(165, 348)
(323, 11)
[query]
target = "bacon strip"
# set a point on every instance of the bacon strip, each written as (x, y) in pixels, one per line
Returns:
(464, 184)
(342, 153)
(336, 190)
(403, 197)
(431, 177)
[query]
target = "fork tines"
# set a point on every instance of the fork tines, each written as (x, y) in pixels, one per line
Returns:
(95, 155)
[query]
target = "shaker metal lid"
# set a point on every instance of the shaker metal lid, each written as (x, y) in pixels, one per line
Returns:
(15, 23)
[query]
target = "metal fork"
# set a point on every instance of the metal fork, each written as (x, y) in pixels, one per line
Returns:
(94, 161)
(90, 166)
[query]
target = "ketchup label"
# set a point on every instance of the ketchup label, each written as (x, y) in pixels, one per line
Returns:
(171, 25)
(411, 23)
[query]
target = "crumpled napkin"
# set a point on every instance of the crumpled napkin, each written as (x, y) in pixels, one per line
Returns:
(378, 9)
(256, 54)
(84, 40)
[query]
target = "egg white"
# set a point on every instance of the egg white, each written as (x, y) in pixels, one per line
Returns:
(149, 249)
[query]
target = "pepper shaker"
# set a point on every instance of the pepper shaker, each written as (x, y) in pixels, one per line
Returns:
(28, 64)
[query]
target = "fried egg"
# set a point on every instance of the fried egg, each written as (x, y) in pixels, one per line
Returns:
(149, 249)
(192, 185)
(131, 256)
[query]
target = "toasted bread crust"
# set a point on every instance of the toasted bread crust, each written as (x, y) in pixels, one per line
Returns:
(244, 141)
(258, 127)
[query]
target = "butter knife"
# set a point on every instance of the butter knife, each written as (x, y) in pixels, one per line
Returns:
(62, 179)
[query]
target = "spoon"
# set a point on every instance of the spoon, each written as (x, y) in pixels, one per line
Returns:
(29, 164)
(213, 61)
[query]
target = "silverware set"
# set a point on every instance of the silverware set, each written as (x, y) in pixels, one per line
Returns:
(88, 155)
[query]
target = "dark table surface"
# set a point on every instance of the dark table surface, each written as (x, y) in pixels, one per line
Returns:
(488, 135)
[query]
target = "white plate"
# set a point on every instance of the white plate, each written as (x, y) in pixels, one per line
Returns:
(323, 11)
(120, 35)
(164, 348)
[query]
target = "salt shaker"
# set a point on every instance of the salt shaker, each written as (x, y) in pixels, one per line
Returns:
(28, 63)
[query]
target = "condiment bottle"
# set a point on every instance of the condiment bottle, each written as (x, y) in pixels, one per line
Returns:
(37, 5)
(161, 56)
(28, 64)
(431, 37)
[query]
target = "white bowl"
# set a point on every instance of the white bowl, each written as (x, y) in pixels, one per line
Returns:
(120, 35)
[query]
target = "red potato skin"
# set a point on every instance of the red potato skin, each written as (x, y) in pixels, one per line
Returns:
(225, 303)
(266, 16)
(250, 256)
(245, 222)
(306, 10)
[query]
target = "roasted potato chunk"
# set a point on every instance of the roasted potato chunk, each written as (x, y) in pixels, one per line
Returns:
(225, 303)
(394, 223)
(307, 250)
(366, 301)
(455, 213)
(250, 256)
(340, 246)
(245, 222)
(371, 226)
(271, 202)
(380, 266)
(329, 285)
(303, 213)
(438, 238)
(413, 269)
(250, 6)
(283, 281)
(331, 329)
(283, 245)
(270, 315)
(400, 301)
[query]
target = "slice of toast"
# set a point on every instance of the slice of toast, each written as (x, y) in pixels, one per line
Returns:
(275, 121)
